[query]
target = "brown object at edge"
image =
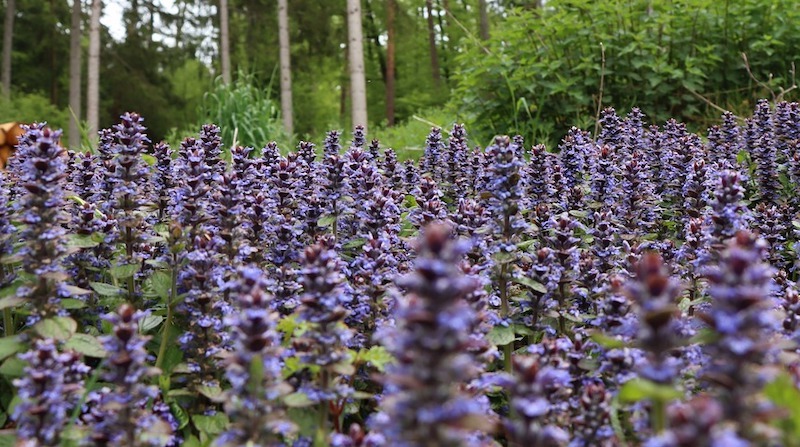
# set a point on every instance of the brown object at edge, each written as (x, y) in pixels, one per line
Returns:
(9, 138)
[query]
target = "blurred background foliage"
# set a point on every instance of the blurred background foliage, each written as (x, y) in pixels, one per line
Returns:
(537, 73)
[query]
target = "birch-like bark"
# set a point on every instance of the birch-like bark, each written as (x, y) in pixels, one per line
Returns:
(286, 67)
(358, 83)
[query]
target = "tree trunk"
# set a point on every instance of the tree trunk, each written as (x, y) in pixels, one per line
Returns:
(391, 6)
(8, 37)
(358, 83)
(75, 75)
(484, 29)
(93, 75)
(224, 44)
(437, 77)
(286, 67)
(374, 36)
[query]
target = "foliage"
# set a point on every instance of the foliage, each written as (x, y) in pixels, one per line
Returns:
(541, 71)
(246, 114)
(30, 107)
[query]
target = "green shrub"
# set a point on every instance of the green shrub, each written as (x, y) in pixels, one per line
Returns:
(245, 113)
(33, 107)
(540, 72)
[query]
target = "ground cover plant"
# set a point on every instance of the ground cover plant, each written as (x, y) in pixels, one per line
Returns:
(637, 287)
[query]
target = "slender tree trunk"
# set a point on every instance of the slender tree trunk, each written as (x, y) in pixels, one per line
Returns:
(484, 20)
(286, 67)
(224, 44)
(437, 77)
(93, 74)
(8, 37)
(391, 7)
(75, 61)
(358, 83)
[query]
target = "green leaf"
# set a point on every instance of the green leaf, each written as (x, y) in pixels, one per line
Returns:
(501, 335)
(355, 243)
(326, 221)
(344, 368)
(82, 241)
(12, 367)
(124, 271)
(58, 328)
(10, 346)
(211, 425)
(8, 440)
(783, 393)
(10, 301)
(378, 357)
(151, 321)
(214, 393)
(104, 289)
(72, 304)
(297, 400)
(180, 415)
(87, 345)
(76, 291)
(607, 342)
(531, 284)
(636, 390)
(161, 282)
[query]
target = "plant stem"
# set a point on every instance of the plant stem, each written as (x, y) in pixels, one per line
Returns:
(8, 316)
(659, 415)
(162, 349)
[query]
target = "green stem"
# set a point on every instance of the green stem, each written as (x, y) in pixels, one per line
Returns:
(659, 415)
(504, 311)
(323, 406)
(8, 316)
(162, 349)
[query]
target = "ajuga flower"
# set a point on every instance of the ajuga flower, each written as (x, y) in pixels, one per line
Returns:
(695, 190)
(694, 423)
(130, 182)
(725, 142)
(83, 175)
(771, 222)
(122, 415)
(203, 309)
(760, 140)
(6, 228)
(656, 296)
(163, 179)
(359, 137)
(211, 142)
(42, 175)
(392, 171)
(612, 133)
(787, 127)
(410, 175)
(431, 163)
(564, 244)
(573, 152)
(430, 206)
(49, 388)
(424, 402)
(740, 317)
(605, 170)
(192, 195)
(592, 423)
(637, 211)
(323, 305)
(537, 176)
(534, 423)
(254, 401)
(728, 215)
(456, 154)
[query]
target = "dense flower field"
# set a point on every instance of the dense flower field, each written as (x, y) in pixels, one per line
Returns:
(633, 288)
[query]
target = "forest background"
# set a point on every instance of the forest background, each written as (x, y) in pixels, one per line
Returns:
(524, 67)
